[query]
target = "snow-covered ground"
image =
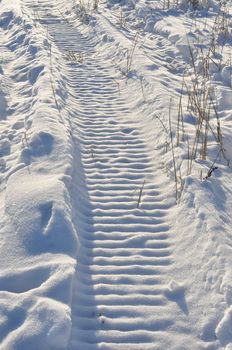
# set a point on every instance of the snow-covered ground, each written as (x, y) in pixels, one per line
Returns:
(115, 175)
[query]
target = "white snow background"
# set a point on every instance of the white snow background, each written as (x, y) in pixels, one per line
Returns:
(115, 229)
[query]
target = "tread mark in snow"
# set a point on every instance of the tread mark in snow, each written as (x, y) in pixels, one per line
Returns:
(119, 287)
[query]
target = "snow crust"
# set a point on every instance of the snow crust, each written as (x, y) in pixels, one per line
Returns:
(38, 240)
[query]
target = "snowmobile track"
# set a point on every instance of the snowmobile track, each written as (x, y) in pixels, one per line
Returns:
(125, 252)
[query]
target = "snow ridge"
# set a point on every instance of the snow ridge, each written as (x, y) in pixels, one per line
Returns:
(38, 241)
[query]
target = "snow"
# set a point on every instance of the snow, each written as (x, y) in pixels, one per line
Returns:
(115, 229)
(223, 330)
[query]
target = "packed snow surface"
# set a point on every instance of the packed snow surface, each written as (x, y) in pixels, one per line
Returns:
(115, 175)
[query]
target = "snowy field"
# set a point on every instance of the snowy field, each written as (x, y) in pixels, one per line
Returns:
(115, 175)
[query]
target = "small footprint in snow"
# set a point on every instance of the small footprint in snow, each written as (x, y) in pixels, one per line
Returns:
(18, 125)
(224, 330)
(176, 292)
(2, 165)
(41, 144)
(34, 74)
(4, 147)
